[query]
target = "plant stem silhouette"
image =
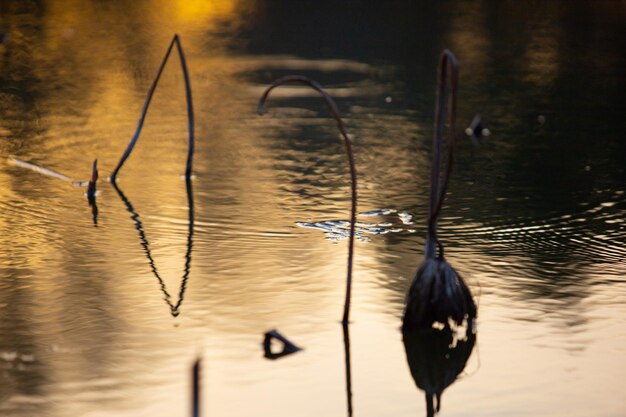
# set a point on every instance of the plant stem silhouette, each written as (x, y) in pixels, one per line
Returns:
(348, 147)
(144, 111)
(438, 293)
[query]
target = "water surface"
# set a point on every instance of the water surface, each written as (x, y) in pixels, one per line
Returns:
(534, 218)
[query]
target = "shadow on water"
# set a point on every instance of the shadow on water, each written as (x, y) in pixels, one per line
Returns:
(436, 358)
(174, 308)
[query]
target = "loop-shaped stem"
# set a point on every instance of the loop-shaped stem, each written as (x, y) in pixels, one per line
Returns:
(146, 105)
(448, 69)
(348, 147)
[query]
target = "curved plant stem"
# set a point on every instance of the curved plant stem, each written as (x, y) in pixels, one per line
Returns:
(348, 147)
(146, 105)
(448, 66)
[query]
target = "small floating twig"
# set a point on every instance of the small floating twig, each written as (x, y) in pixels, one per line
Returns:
(40, 170)
(146, 105)
(91, 187)
(288, 347)
(47, 172)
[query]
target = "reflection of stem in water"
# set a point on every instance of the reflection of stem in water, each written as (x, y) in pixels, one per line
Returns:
(195, 387)
(191, 211)
(94, 211)
(146, 105)
(436, 360)
(174, 308)
(346, 347)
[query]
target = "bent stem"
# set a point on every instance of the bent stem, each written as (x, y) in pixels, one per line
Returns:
(348, 147)
(448, 66)
(146, 105)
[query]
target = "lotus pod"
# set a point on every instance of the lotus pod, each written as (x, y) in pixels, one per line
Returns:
(437, 294)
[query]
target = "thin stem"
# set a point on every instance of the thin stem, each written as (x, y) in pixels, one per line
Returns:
(91, 186)
(190, 114)
(438, 185)
(146, 105)
(346, 348)
(91, 192)
(348, 147)
(40, 170)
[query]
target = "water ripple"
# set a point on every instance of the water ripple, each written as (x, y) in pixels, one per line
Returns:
(336, 230)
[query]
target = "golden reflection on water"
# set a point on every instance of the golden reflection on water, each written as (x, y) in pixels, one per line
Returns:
(86, 318)
(470, 40)
(200, 12)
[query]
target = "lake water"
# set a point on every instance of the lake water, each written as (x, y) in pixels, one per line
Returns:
(534, 218)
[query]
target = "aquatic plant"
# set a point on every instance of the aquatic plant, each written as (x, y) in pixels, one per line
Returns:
(348, 147)
(91, 192)
(91, 186)
(438, 294)
(174, 307)
(146, 105)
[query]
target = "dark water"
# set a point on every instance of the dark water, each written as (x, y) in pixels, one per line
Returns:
(534, 218)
